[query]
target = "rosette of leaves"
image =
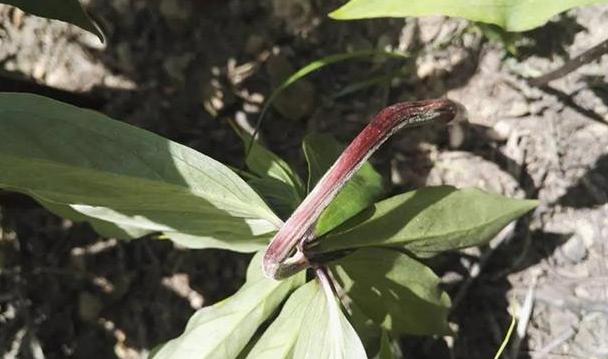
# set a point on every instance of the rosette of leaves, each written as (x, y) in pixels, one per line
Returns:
(127, 182)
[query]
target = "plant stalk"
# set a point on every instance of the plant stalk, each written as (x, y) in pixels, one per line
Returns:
(299, 228)
(586, 57)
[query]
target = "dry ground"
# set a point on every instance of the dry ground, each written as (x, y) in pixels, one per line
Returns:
(181, 67)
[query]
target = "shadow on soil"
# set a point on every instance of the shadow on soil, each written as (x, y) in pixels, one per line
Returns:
(60, 295)
(590, 190)
(101, 296)
(482, 313)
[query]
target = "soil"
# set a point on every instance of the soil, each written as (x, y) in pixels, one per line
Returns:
(181, 68)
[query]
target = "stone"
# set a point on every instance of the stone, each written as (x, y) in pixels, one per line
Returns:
(574, 249)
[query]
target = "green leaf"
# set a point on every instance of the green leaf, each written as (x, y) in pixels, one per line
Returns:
(254, 269)
(386, 351)
(282, 198)
(506, 339)
(65, 10)
(224, 329)
(429, 220)
(512, 15)
(279, 340)
(498, 35)
(327, 333)
(105, 229)
(364, 188)
(230, 240)
(265, 163)
(118, 173)
(329, 60)
(370, 81)
(369, 332)
(317, 65)
(397, 292)
(310, 325)
(278, 183)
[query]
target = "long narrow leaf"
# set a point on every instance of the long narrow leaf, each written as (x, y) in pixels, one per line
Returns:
(276, 181)
(512, 15)
(310, 325)
(318, 65)
(224, 329)
(328, 334)
(280, 338)
(104, 228)
(397, 292)
(429, 220)
(362, 190)
(117, 173)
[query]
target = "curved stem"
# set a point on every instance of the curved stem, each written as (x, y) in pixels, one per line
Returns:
(299, 228)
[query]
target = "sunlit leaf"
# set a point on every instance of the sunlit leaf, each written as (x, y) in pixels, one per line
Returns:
(506, 339)
(224, 329)
(364, 188)
(327, 333)
(239, 242)
(281, 336)
(254, 269)
(310, 325)
(397, 292)
(118, 173)
(65, 10)
(513, 15)
(429, 220)
(104, 228)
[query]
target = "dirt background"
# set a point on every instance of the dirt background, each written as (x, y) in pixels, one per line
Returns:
(180, 68)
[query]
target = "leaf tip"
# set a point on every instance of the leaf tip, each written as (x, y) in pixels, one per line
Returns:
(338, 14)
(529, 204)
(334, 15)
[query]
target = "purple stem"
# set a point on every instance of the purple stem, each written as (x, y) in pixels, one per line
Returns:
(299, 228)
